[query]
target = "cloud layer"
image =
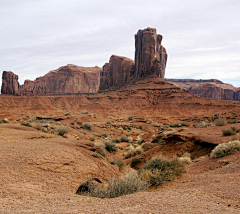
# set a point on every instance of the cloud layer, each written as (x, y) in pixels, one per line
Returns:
(202, 38)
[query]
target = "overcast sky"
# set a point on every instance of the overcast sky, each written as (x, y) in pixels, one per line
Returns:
(202, 37)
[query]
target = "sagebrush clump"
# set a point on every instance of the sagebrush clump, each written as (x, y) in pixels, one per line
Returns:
(110, 146)
(221, 121)
(132, 151)
(159, 170)
(225, 149)
(62, 130)
(117, 161)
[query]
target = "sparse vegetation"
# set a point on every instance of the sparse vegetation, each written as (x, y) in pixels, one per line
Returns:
(72, 123)
(117, 161)
(92, 139)
(159, 170)
(87, 126)
(5, 120)
(100, 150)
(130, 118)
(228, 132)
(79, 123)
(62, 130)
(225, 149)
(221, 121)
(134, 162)
(185, 158)
(132, 151)
(124, 138)
(125, 185)
(84, 111)
(110, 146)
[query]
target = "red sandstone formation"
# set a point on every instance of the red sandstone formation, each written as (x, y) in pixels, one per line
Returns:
(150, 55)
(10, 83)
(116, 73)
(70, 79)
(212, 88)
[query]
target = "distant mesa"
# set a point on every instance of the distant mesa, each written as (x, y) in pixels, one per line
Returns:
(211, 88)
(69, 79)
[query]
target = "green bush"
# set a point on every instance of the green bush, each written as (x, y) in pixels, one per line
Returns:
(79, 123)
(118, 161)
(110, 146)
(225, 149)
(159, 170)
(125, 185)
(130, 118)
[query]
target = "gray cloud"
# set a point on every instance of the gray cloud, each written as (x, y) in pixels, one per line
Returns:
(201, 37)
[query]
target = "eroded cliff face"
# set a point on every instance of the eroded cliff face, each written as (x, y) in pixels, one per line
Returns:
(116, 73)
(10, 83)
(69, 79)
(213, 89)
(150, 55)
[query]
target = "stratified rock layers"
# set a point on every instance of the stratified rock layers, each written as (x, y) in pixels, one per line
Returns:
(116, 73)
(10, 83)
(150, 55)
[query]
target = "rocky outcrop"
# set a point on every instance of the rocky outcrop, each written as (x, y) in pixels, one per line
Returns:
(116, 73)
(10, 83)
(150, 58)
(150, 55)
(70, 79)
(212, 88)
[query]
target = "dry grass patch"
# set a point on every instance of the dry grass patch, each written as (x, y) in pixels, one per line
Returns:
(62, 130)
(221, 121)
(225, 149)
(117, 161)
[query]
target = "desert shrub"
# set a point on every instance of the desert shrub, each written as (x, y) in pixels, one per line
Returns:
(185, 158)
(175, 125)
(37, 126)
(116, 140)
(96, 155)
(140, 127)
(110, 146)
(72, 123)
(67, 114)
(221, 121)
(225, 149)
(118, 161)
(159, 170)
(5, 120)
(228, 132)
(26, 123)
(104, 135)
(125, 185)
(140, 141)
(87, 126)
(109, 122)
(62, 130)
(100, 150)
(124, 138)
(84, 111)
(134, 162)
(91, 138)
(184, 124)
(132, 151)
(130, 118)
(79, 123)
